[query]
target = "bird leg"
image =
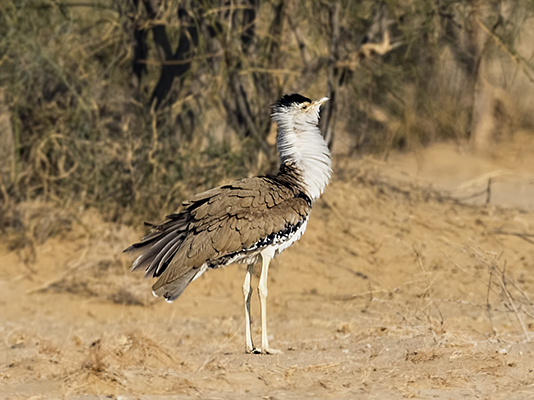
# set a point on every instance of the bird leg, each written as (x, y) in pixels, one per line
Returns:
(247, 293)
(262, 291)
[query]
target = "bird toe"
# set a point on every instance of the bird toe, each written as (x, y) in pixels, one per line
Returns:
(254, 350)
(271, 351)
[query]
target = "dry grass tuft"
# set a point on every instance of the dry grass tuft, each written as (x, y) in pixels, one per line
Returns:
(505, 294)
(137, 349)
(109, 362)
(95, 373)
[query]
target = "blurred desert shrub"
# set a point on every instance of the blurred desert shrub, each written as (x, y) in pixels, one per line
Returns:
(454, 69)
(131, 105)
(81, 131)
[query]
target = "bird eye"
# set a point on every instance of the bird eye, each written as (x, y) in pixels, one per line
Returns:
(304, 107)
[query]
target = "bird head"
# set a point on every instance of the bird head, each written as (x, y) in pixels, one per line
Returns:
(296, 110)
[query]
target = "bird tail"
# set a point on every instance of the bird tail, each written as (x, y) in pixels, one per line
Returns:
(172, 290)
(156, 250)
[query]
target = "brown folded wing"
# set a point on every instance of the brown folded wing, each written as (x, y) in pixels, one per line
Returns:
(216, 224)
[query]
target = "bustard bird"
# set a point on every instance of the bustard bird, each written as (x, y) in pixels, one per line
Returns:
(244, 220)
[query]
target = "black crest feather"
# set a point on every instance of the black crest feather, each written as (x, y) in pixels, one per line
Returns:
(289, 99)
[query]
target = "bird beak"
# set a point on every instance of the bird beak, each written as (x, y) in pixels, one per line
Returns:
(318, 103)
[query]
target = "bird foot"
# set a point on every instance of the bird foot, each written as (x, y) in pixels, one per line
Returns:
(253, 350)
(271, 351)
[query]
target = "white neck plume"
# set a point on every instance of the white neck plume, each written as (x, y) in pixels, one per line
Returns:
(302, 146)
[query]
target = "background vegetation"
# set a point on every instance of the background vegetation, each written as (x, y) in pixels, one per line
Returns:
(131, 105)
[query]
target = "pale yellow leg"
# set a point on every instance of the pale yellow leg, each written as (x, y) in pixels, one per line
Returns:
(247, 293)
(262, 291)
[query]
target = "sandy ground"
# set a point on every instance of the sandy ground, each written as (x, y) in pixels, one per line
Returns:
(397, 290)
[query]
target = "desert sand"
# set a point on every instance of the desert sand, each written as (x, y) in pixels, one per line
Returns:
(413, 280)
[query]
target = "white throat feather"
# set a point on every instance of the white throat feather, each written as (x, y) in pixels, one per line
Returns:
(301, 145)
